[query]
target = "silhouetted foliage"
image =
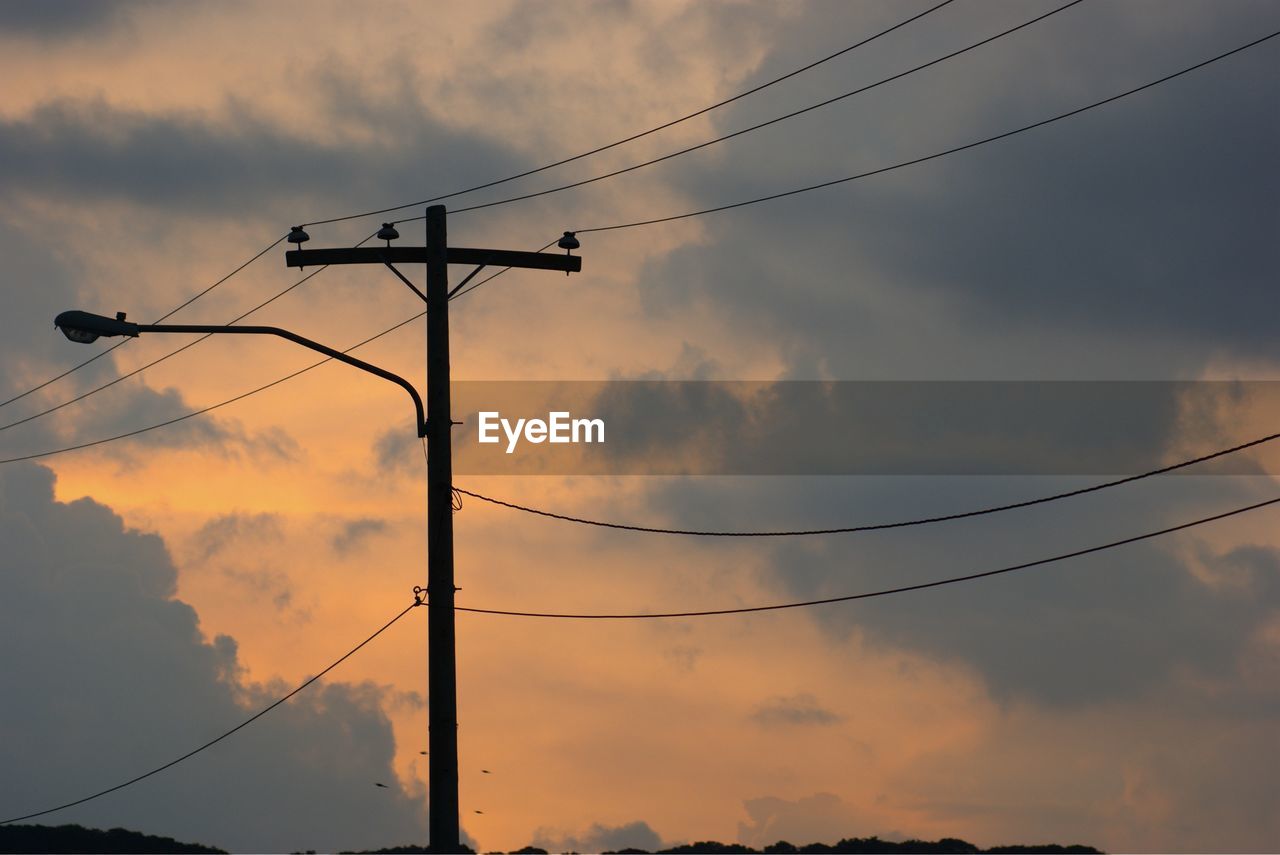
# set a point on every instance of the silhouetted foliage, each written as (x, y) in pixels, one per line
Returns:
(853, 846)
(530, 850)
(411, 849)
(77, 838)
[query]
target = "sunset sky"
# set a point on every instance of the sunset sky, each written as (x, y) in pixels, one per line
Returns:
(160, 588)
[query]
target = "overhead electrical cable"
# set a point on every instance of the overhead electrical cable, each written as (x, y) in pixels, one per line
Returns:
(640, 135)
(937, 583)
(212, 407)
(995, 509)
(901, 165)
(935, 155)
(163, 317)
(212, 742)
(760, 125)
(172, 353)
(486, 185)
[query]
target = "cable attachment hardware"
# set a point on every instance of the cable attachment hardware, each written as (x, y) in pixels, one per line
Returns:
(568, 243)
(388, 233)
(419, 596)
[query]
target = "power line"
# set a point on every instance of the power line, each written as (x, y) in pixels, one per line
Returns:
(875, 526)
(484, 186)
(878, 526)
(933, 156)
(163, 317)
(172, 353)
(637, 136)
(213, 407)
(752, 202)
(887, 591)
(765, 124)
(154, 362)
(212, 742)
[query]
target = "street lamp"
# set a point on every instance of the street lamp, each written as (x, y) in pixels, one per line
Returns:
(85, 328)
(436, 255)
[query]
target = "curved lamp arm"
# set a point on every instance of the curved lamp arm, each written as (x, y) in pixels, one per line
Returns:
(85, 327)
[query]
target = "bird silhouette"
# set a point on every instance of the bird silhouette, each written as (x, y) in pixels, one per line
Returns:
(384, 786)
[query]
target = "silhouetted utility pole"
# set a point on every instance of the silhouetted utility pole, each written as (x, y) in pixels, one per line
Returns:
(442, 678)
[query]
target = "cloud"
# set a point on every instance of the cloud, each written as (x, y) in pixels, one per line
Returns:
(51, 19)
(600, 838)
(88, 149)
(795, 710)
(397, 453)
(819, 818)
(109, 675)
(354, 534)
(221, 531)
(1108, 229)
(1121, 624)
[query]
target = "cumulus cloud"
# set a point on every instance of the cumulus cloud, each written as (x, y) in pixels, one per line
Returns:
(819, 818)
(599, 838)
(110, 675)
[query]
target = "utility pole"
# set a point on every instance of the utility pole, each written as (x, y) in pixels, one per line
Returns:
(442, 672)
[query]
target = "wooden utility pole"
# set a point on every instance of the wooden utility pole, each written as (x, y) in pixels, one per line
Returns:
(442, 672)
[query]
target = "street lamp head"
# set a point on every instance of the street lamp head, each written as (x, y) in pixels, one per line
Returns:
(298, 235)
(85, 328)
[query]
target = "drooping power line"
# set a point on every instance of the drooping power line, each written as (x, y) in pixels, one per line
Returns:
(760, 125)
(640, 135)
(160, 319)
(934, 156)
(875, 526)
(884, 592)
(212, 742)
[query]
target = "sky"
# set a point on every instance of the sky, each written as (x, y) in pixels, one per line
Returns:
(161, 588)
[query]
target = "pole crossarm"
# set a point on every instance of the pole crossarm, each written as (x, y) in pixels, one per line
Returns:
(418, 255)
(305, 342)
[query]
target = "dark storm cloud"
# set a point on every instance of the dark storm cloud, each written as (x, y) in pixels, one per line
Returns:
(1117, 625)
(242, 161)
(59, 18)
(1151, 217)
(108, 675)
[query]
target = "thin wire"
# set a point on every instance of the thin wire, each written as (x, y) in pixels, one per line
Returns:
(210, 409)
(766, 124)
(173, 353)
(637, 136)
(887, 591)
(165, 316)
(931, 156)
(218, 739)
(876, 526)
(798, 191)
